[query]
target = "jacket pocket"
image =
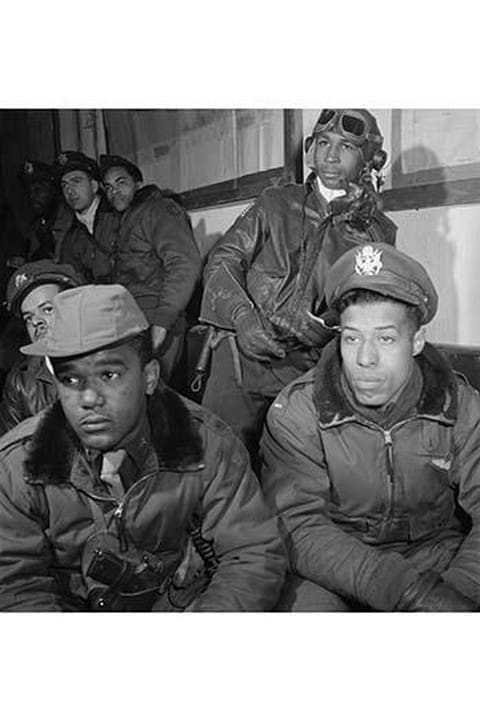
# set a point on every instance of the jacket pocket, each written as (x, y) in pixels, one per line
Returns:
(436, 451)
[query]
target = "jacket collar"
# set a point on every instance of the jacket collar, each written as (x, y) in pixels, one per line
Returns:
(313, 195)
(145, 193)
(438, 399)
(53, 449)
(102, 207)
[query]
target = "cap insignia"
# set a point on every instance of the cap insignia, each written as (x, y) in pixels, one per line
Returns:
(21, 280)
(62, 159)
(28, 168)
(368, 261)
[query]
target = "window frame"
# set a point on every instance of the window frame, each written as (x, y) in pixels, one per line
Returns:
(249, 186)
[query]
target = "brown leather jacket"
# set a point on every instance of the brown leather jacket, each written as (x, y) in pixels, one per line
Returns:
(276, 256)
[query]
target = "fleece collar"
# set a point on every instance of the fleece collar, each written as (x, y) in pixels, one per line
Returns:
(54, 447)
(145, 193)
(439, 397)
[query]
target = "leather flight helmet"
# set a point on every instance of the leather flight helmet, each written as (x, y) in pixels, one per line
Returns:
(358, 126)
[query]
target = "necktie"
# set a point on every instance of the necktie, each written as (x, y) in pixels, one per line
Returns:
(110, 471)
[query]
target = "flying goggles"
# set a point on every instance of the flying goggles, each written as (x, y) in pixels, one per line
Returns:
(352, 124)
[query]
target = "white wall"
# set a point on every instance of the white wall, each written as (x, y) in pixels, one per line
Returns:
(443, 239)
(210, 224)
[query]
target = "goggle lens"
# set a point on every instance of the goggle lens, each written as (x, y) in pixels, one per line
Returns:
(326, 117)
(353, 125)
(350, 124)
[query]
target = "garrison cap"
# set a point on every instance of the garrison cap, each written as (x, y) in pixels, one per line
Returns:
(39, 272)
(385, 270)
(88, 319)
(116, 161)
(35, 171)
(70, 160)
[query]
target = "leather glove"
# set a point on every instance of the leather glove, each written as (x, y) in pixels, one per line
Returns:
(253, 339)
(316, 331)
(430, 593)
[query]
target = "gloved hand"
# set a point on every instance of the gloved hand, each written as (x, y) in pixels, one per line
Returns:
(253, 339)
(431, 593)
(316, 331)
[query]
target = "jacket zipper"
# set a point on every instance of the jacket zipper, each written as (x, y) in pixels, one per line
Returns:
(119, 513)
(388, 441)
(387, 435)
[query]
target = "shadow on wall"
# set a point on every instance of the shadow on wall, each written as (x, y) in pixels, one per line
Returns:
(205, 241)
(426, 235)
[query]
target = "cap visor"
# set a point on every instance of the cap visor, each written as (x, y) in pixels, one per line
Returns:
(38, 348)
(386, 288)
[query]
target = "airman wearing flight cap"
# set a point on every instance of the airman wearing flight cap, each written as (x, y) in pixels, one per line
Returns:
(32, 171)
(372, 459)
(37, 273)
(268, 273)
(69, 160)
(49, 216)
(116, 161)
(29, 386)
(122, 492)
(157, 258)
(386, 271)
(89, 242)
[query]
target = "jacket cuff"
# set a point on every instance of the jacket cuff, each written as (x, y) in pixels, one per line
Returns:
(464, 582)
(387, 584)
(160, 316)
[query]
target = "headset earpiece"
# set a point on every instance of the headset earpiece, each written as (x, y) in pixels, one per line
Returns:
(378, 160)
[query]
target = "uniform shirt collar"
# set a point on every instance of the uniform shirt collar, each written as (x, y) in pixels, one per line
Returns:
(328, 193)
(87, 217)
(136, 451)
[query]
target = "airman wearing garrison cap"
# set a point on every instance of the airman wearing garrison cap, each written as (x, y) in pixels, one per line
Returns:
(158, 259)
(116, 161)
(113, 499)
(31, 289)
(37, 273)
(372, 458)
(36, 171)
(69, 160)
(90, 241)
(48, 216)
